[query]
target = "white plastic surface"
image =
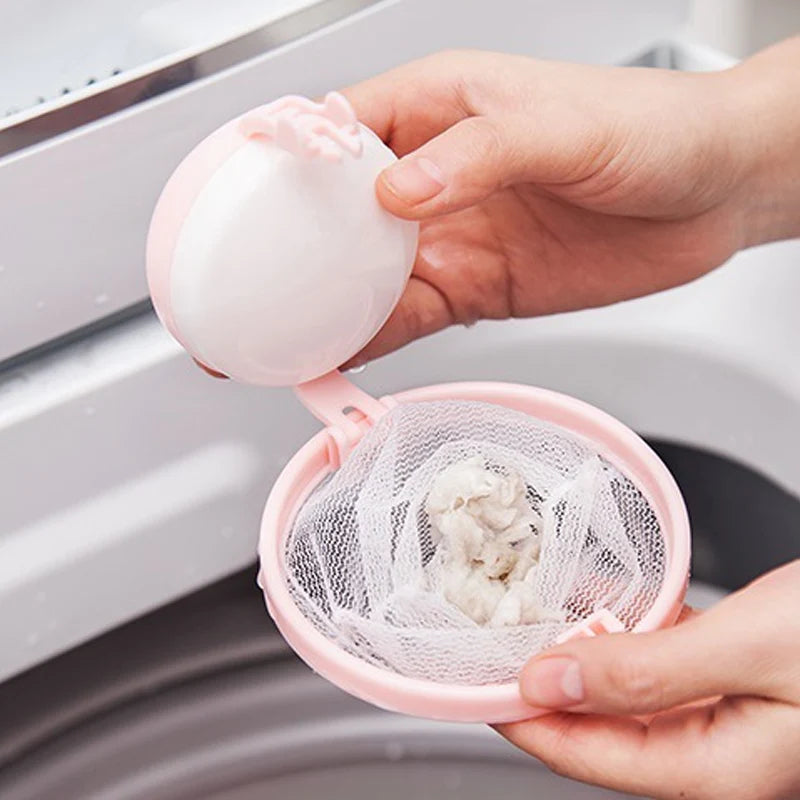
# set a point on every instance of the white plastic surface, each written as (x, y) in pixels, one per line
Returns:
(73, 252)
(284, 267)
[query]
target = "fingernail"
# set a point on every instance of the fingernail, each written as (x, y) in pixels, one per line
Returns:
(552, 682)
(356, 365)
(212, 372)
(415, 179)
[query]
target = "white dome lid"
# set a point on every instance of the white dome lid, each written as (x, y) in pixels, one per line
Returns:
(269, 257)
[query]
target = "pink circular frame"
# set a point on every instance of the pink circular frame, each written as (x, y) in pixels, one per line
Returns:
(457, 703)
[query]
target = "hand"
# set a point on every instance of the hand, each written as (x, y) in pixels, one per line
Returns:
(738, 663)
(546, 187)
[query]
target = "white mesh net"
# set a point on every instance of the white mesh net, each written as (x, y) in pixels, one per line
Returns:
(383, 560)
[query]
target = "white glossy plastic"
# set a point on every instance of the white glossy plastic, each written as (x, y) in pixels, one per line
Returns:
(285, 267)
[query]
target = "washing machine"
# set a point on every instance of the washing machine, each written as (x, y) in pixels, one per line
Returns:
(136, 659)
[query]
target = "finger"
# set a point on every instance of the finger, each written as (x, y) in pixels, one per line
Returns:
(455, 169)
(622, 754)
(629, 673)
(422, 310)
(213, 373)
(723, 750)
(412, 103)
(481, 154)
(743, 646)
(687, 613)
(604, 751)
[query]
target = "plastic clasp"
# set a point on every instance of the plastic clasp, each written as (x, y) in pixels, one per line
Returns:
(347, 411)
(602, 621)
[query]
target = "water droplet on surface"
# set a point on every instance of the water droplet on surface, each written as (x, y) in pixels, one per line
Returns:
(32, 639)
(90, 411)
(2, 268)
(40, 598)
(101, 299)
(39, 305)
(52, 625)
(227, 532)
(394, 751)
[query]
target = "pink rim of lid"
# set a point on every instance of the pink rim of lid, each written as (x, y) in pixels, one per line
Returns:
(494, 703)
(172, 209)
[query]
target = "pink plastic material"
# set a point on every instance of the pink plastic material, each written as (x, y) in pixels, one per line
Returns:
(344, 408)
(492, 703)
(307, 129)
(172, 208)
(602, 621)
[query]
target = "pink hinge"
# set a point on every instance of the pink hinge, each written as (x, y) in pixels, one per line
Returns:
(347, 411)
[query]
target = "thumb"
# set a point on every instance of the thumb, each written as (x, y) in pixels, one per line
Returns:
(460, 167)
(729, 650)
